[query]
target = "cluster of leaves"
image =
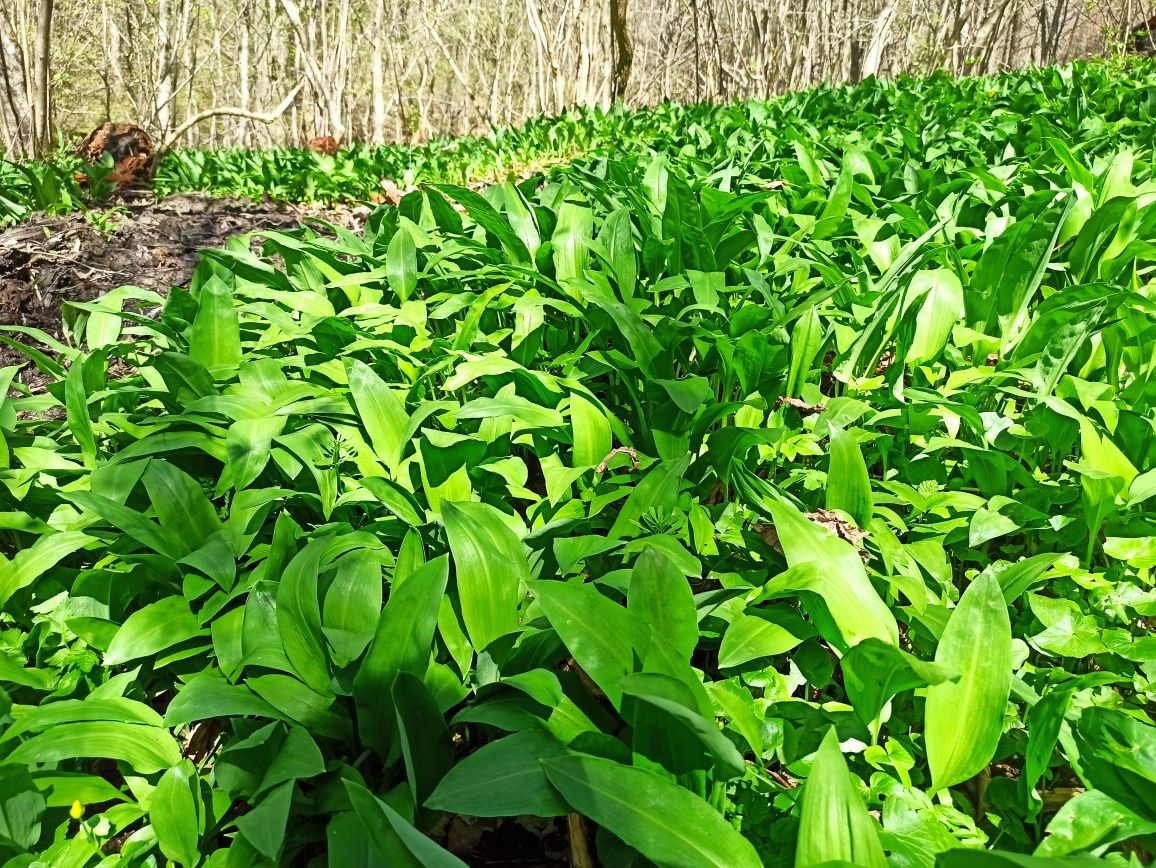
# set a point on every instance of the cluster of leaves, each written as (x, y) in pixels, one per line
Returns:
(777, 496)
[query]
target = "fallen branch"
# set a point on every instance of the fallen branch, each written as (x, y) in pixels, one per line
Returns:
(232, 111)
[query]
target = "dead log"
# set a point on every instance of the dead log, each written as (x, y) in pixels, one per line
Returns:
(131, 150)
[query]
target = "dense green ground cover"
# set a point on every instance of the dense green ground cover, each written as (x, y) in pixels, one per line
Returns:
(775, 490)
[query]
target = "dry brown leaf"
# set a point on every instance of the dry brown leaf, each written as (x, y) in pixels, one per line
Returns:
(801, 405)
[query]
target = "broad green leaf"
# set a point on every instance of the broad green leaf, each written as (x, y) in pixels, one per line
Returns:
(51, 714)
(381, 411)
(31, 563)
(215, 338)
(206, 697)
(299, 617)
(382, 821)
(834, 824)
(806, 337)
(964, 719)
(402, 642)
(848, 485)
(1091, 821)
(940, 310)
(146, 749)
(661, 598)
(590, 432)
(401, 263)
(21, 806)
(264, 827)
(875, 671)
(352, 606)
(503, 779)
(605, 654)
(766, 634)
(174, 812)
(490, 567)
(668, 728)
(665, 823)
(79, 417)
(839, 577)
(574, 229)
(151, 629)
(180, 504)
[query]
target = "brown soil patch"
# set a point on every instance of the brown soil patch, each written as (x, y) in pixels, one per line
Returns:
(154, 244)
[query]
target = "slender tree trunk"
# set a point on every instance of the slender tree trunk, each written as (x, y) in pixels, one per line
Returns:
(41, 96)
(244, 74)
(377, 72)
(15, 111)
(622, 50)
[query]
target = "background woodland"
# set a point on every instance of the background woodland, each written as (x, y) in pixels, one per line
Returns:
(260, 73)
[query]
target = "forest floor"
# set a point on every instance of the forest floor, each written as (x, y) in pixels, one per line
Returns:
(135, 240)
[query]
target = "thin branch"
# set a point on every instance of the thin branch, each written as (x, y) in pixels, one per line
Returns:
(233, 111)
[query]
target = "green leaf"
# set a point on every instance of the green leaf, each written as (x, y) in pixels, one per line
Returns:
(299, 617)
(658, 490)
(352, 606)
(662, 821)
(484, 214)
(402, 642)
(964, 719)
(31, 563)
(401, 263)
(806, 338)
(848, 485)
(146, 749)
(208, 696)
(426, 745)
(768, 633)
(215, 338)
(382, 413)
(838, 577)
(590, 432)
(180, 504)
(490, 566)
(1091, 820)
(617, 239)
(247, 446)
(968, 858)
(834, 824)
(573, 231)
(51, 714)
(875, 671)
(605, 654)
(503, 779)
(661, 598)
(21, 806)
(79, 418)
(1118, 756)
(942, 308)
(383, 823)
(175, 814)
(152, 629)
(668, 728)
(265, 825)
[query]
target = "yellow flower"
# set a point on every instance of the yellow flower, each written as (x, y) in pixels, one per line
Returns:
(77, 810)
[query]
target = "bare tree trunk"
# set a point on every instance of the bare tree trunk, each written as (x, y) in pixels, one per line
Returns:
(377, 72)
(622, 50)
(880, 36)
(245, 74)
(327, 90)
(548, 75)
(15, 112)
(41, 96)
